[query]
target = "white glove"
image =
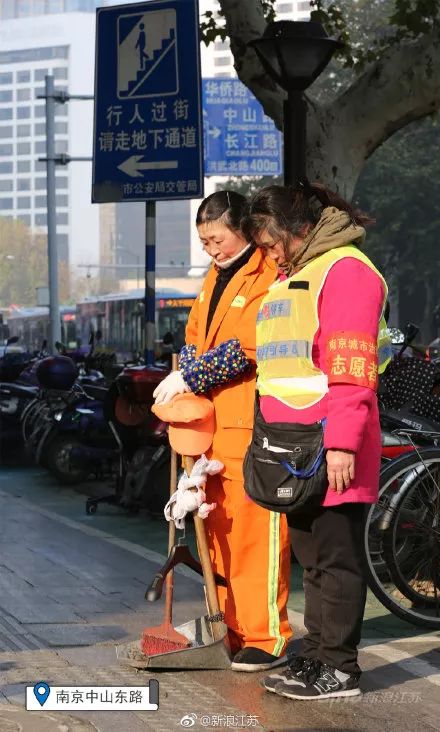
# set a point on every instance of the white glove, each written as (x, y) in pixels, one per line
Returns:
(170, 386)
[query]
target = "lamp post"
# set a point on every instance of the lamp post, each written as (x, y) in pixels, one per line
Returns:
(294, 53)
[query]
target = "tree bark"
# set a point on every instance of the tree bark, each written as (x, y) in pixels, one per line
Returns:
(400, 87)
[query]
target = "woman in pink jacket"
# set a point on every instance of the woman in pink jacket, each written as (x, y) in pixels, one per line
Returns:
(319, 351)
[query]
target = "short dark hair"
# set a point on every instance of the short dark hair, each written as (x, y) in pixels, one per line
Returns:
(228, 207)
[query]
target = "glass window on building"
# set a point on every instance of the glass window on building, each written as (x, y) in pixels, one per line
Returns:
(286, 7)
(23, 184)
(61, 146)
(5, 95)
(40, 184)
(60, 73)
(304, 5)
(62, 219)
(39, 166)
(39, 7)
(40, 220)
(6, 204)
(62, 201)
(62, 181)
(222, 75)
(61, 110)
(24, 202)
(24, 55)
(55, 6)
(40, 201)
(6, 78)
(25, 218)
(6, 150)
(23, 166)
(23, 95)
(221, 45)
(23, 130)
(23, 148)
(39, 74)
(6, 185)
(23, 77)
(5, 113)
(61, 128)
(40, 129)
(39, 111)
(39, 147)
(23, 112)
(23, 8)
(6, 131)
(5, 167)
(222, 61)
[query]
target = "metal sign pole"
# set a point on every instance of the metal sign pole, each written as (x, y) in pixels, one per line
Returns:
(54, 306)
(150, 281)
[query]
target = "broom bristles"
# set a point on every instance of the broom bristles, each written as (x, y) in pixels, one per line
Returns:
(153, 646)
(162, 639)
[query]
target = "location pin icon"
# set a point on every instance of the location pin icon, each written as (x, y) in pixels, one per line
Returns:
(41, 691)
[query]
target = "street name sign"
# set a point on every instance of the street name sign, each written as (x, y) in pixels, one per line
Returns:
(148, 140)
(239, 138)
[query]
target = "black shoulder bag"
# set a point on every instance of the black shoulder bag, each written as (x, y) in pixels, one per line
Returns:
(285, 469)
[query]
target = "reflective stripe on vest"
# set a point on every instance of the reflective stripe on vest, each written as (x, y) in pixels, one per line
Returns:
(285, 365)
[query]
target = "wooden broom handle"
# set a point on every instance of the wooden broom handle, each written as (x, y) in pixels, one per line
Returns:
(205, 561)
(169, 580)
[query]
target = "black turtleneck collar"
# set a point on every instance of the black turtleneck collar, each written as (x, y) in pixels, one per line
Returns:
(224, 276)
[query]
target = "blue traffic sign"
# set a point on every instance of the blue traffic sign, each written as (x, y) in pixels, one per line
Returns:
(148, 141)
(239, 138)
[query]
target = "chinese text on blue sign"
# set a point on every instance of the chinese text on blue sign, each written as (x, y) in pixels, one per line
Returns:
(239, 138)
(148, 118)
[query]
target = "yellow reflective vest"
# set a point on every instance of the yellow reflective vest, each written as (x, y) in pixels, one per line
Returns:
(287, 325)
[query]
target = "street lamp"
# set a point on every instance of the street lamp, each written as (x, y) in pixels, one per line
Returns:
(294, 53)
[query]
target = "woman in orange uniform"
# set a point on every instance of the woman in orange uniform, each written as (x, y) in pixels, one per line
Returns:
(249, 546)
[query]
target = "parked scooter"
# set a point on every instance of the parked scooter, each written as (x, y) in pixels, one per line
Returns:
(143, 479)
(17, 392)
(407, 395)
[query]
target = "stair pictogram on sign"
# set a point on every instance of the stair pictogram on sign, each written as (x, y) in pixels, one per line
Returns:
(147, 55)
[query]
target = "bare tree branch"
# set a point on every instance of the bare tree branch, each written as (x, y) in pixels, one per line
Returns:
(402, 86)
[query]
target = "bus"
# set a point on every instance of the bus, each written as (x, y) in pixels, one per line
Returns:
(31, 325)
(120, 318)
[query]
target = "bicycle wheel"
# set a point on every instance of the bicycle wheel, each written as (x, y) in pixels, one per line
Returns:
(415, 517)
(396, 480)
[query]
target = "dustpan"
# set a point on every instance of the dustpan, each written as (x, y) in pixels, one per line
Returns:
(208, 635)
(205, 652)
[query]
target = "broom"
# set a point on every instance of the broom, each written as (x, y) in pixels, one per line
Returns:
(164, 638)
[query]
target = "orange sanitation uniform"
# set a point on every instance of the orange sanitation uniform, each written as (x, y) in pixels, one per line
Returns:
(249, 545)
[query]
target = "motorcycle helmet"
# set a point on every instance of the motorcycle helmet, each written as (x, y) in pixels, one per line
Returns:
(57, 372)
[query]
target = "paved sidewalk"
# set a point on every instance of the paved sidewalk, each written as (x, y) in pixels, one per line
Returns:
(69, 592)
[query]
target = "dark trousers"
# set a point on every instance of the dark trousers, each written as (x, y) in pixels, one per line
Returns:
(328, 544)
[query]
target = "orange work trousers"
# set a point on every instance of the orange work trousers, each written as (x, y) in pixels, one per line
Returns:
(250, 547)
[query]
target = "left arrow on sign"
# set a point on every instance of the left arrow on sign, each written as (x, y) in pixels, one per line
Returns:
(133, 165)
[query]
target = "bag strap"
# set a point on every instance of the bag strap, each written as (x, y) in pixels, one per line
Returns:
(307, 473)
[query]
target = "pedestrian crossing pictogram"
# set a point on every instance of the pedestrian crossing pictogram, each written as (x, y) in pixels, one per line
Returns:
(147, 55)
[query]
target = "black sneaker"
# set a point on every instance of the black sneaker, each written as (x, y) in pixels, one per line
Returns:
(320, 682)
(297, 667)
(254, 659)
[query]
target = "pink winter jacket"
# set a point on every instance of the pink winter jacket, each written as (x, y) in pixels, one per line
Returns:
(351, 300)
